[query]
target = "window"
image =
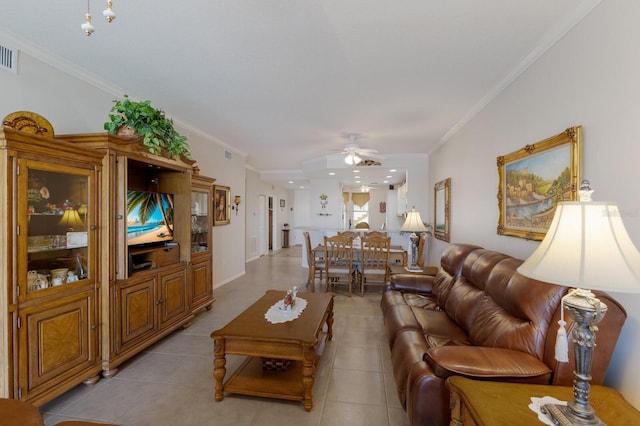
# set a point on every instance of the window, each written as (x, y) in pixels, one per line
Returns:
(360, 208)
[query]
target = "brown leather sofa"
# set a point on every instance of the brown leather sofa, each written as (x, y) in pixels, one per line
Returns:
(479, 318)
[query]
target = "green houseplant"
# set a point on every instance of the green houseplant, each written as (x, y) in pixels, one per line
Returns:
(151, 123)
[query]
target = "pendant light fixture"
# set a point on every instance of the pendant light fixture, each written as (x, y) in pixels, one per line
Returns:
(108, 13)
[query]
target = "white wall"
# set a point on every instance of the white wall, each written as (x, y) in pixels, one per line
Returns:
(255, 188)
(228, 240)
(589, 77)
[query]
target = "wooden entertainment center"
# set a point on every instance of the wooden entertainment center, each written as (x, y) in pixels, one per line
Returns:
(116, 299)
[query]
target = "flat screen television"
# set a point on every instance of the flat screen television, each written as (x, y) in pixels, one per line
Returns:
(149, 217)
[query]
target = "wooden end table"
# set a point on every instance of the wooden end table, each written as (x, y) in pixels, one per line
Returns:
(281, 358)
(477, 402)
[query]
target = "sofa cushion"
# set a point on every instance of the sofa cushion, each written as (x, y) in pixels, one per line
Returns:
(487, 363)
(409, 350)
(508, 319)
(438, 324)
(421, 301)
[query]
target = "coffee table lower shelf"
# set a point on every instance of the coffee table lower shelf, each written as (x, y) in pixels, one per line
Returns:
(251, 379)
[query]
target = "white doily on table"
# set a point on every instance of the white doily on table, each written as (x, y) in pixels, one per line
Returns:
(536, 403)
(277, 313)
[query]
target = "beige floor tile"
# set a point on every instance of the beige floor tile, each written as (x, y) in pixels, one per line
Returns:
(359, 387)
(397, 417)
(363, 358)
(345, 414)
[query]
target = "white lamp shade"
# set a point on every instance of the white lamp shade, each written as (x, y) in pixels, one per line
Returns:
(413, 223)
(587, 246)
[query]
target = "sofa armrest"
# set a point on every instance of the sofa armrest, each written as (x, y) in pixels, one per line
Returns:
(487, 363)
(412, 283)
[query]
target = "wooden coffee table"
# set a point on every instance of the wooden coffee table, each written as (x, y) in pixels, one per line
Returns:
(281, 358)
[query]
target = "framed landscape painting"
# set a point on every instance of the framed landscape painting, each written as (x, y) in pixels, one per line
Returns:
(534, 179)
(221, 205)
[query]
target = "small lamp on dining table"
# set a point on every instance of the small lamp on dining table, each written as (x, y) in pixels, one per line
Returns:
(413, 223)
(586, 248)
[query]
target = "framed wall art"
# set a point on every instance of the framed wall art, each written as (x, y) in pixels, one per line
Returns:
(534, 179)
(442, 205)
(221, 205)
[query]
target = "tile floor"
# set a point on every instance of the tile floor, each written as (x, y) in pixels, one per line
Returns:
(171, 383)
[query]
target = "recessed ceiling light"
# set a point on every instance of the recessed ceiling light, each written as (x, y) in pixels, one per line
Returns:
(332, 173)
(302, 187)
(357, 177)
(389, 177)
(290, 181)
(357, 181)
(356, 171)
(393, 170)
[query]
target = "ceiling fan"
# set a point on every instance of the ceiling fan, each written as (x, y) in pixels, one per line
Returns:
(354, 154)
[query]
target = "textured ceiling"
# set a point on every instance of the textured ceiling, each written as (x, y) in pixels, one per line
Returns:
(283, 80)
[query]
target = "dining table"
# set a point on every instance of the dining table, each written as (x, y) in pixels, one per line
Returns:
(397, 257)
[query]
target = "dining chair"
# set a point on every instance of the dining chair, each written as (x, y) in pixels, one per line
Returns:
(374, 261)
(362, 225)
(338, 261)
(350, 234)
(316, 265)
(376, 234)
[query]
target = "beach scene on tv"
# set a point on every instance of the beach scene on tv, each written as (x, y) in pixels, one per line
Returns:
(149, 217)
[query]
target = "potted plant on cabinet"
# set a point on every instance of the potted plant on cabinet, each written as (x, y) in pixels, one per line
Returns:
(151, 123)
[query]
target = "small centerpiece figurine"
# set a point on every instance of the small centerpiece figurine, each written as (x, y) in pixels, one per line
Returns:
(290, 299)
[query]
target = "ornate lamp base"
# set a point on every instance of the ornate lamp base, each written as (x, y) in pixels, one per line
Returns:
(586, 310)
(414, 248)
(562, 415)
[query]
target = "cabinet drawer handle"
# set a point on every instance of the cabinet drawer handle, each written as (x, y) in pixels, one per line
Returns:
(93, 326)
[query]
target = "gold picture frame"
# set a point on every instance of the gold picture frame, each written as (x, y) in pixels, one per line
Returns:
(442, 209)
(221, 205)
(534, 179)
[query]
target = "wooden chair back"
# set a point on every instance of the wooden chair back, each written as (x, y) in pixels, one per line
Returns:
(362, 225)
(338, 261)
(375, 234)
(316, 268)
(374, 261)
(422, 244)
(350, 234)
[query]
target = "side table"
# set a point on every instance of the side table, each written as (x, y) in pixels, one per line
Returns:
(477, 402)
(401, 269)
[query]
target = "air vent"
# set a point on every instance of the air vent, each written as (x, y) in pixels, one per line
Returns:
(8, 59)
(227, 154)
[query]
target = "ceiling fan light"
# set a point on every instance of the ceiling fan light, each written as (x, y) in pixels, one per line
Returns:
(352, 159)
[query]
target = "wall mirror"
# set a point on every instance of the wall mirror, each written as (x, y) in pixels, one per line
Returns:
(442, 205)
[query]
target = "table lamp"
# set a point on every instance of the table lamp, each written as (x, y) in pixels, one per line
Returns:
(71, 219)
(413, 224)
(586, 248)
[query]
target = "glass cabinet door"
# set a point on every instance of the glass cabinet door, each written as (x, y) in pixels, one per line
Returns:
(199, 221)
(56, 200)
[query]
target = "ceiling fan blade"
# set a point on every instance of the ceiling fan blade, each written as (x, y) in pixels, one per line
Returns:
(371, 155)
(365, 151)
